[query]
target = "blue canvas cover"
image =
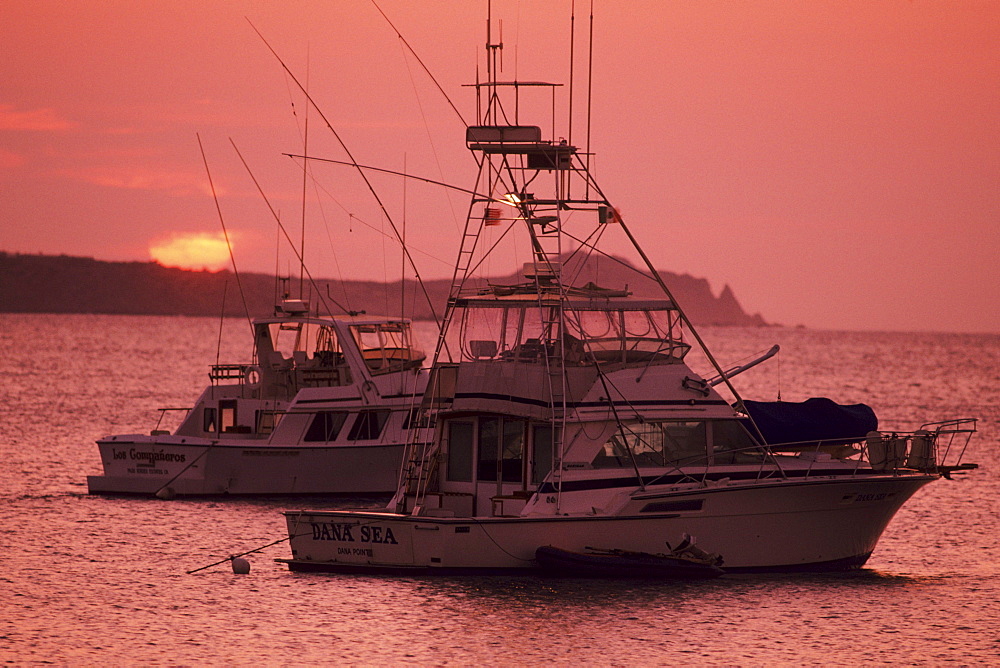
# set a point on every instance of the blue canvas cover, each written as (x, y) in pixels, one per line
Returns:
(811, 421)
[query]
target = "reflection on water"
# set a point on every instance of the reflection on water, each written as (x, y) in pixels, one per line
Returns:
(87, 580)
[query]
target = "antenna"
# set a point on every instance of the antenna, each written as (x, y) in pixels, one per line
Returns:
(402, 273)
(590, 92)
(305, 175)
(572, 62)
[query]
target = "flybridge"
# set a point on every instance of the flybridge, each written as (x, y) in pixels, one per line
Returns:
(523, 140)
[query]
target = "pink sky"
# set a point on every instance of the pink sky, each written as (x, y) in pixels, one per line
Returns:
(836, 163)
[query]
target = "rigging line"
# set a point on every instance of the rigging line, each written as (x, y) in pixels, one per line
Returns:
(623, 263)
(277, 219)
(403, 40)
(430, 138)
(184, 470)
(497, 173)
(333, 247)
(493, 247)
(353, 217)
(621, 442)
(599, 232)
(382, 170)
(371, 188)
(229, 246)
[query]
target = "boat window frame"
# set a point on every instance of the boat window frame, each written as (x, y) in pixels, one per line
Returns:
(531, 474)
(330, 430)
(362, 421)
(210, 420)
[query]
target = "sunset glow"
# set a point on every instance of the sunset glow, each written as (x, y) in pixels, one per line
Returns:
(835, 163)
(198, 250)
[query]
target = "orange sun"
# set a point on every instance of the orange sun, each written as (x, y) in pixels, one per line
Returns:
(191, 250)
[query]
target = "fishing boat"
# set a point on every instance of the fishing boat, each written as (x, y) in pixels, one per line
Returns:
(569, 414)
(324, 407)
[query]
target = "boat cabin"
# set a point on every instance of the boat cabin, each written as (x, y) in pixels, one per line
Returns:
(528, 369)
(319, 357)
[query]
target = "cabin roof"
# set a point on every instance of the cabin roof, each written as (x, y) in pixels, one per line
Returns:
(578, 304)
(363, 319)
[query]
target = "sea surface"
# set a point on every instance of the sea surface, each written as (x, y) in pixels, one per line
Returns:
(90, 580)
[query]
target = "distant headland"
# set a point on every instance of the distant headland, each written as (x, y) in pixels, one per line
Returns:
(67, 284)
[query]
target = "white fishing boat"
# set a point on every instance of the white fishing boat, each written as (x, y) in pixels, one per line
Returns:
(323, 408)
(567, 415)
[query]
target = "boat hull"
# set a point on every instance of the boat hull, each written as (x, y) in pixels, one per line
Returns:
(811, 525)
(199, 467)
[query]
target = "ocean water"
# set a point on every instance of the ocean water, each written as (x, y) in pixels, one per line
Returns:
(88, 580)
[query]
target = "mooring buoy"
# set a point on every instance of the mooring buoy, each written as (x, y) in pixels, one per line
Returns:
(240, 565)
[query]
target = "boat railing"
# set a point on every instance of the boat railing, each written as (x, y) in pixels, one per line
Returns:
(951, 439)
(223, 372)
(936, 447)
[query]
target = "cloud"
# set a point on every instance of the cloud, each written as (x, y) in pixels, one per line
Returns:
(175, 182)
(44, 120)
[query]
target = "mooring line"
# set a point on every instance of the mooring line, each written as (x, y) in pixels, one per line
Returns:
(243, 554)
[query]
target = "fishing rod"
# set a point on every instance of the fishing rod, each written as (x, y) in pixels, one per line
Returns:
(277, 219)
(225, 232)
(371, 188)
(421, 62)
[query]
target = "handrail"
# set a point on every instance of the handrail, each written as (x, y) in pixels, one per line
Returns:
(900, 458)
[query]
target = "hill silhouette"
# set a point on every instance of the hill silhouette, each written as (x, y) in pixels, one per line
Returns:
(67, 284)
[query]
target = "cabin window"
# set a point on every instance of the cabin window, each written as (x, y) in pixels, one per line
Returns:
(368, 425)
(732, 444)
(227, 415)
(684, 442)
(325, 426)
(501, 449)
(305, 337)
(541, 462)
(417, 418)
(387, 347)
(267, 421)
(209, 416)
(655, 444)
(460, 451)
